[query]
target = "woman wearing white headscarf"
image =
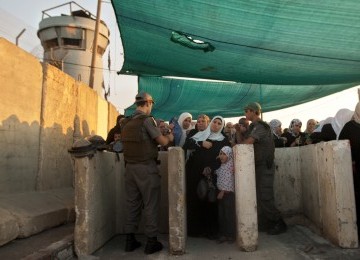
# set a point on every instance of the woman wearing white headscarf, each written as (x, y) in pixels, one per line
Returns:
(181, 127)
(202, 215)
(323, 132)
(342, 116)
(185, 124)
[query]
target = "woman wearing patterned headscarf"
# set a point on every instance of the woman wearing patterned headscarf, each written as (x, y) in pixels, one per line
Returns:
(276, 130)
(294, 136)
(202, 215)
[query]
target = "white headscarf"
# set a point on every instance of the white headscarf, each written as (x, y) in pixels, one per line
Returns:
(181, 119)
(207, 134)
(342, 116)
(357, 113)
(322, 123)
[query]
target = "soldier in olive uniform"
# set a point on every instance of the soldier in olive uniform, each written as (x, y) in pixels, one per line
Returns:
(140, 137)
(261, 137)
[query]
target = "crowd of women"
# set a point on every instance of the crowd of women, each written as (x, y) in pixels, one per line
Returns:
(207, 145)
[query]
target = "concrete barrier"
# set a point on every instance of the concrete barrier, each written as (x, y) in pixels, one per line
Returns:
(313, 181)
(336, 193)
(245, 197)
(100, 200)
(95, 202)
(316, 181)
(177, 201)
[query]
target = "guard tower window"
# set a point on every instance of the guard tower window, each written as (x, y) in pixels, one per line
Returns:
(72, 37)
(51, 43)
(69, 42)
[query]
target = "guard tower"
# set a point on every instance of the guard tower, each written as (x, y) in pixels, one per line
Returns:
(67, 40)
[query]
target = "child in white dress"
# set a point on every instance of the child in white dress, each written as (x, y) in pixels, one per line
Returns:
(226, 196)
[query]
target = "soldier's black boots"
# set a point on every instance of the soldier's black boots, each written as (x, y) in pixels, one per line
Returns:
(152, 245)
(278, 228)
(131, 243)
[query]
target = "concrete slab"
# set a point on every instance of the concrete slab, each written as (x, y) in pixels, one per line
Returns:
(34, 211)
(177, 201)
(245, 197)
(9, 228)
(55, 243)
(337, 193)
(287, 181)
(66, 197)
(95, 202)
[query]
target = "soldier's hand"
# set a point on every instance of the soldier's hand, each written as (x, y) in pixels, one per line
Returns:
(171, 137)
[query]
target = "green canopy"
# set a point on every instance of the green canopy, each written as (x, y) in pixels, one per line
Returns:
(174, 96)
(288, 52)
(280, 42)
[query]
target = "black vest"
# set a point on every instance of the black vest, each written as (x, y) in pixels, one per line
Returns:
(138, 145)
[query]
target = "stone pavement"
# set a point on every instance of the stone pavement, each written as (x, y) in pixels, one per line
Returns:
(297, 243)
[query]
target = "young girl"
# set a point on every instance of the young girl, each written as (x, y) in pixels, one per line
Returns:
(226, 196)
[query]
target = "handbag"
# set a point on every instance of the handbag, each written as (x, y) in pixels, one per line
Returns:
(202, 189)
(206, 190)
(211, 196)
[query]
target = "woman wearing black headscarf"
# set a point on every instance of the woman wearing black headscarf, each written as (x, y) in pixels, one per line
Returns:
(115, 129)
(206, 145)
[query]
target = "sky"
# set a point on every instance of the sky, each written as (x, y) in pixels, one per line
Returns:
(124, 88)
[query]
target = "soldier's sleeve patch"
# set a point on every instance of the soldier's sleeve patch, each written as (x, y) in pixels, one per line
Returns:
(153, 120)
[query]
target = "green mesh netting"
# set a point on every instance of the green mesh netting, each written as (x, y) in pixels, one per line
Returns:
(297, 50)
(281, 42)
(174, 96)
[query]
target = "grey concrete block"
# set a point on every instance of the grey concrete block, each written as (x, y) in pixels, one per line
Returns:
(245, 197)
(337, 193)
(66, 197)
(288, 181)
(177, 201)
(34, 211)
(9, 228)
(95, 199)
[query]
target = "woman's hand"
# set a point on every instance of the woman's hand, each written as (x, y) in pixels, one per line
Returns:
(207, 144)
(207, 171)
(220, 195)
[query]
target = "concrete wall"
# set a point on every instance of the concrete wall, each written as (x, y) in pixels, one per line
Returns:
(38, 107)
(20, 107)
(287, 183)
(314, 182)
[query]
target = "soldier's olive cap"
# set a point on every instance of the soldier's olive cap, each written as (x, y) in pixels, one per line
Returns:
(254, 106)
(143, 96)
